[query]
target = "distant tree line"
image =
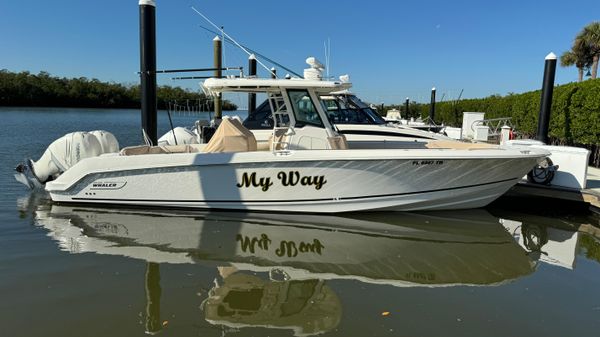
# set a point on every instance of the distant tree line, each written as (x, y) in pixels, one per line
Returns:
(44, 90)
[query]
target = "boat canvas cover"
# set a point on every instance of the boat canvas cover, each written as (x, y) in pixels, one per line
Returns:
(231, 136)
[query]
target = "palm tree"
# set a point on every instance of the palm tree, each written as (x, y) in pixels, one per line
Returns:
(568, 59)
(591, 36)
(578, 56)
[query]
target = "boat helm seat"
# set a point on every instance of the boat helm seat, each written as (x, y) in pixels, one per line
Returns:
(338, 142)
(282, 140)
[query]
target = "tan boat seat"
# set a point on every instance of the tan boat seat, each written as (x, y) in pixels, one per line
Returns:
(163, 149)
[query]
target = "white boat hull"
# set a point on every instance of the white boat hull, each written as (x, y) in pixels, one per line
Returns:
(321, 181)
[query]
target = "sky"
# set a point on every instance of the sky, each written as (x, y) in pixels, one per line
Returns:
(390, 49)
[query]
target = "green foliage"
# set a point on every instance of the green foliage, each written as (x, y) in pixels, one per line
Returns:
(574, 120)
(591, 247)
(575, 116)
(26, 89)
(585, 112)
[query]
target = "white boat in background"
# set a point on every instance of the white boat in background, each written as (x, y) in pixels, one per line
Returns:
(394, 117)
(306, 166)
(362, 127)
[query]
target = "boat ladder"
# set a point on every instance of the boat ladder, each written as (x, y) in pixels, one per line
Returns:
(282, 132)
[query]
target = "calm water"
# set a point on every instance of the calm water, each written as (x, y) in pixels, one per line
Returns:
(83, 271)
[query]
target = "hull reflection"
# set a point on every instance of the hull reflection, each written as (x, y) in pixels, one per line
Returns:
(439, 249)
(273, 269)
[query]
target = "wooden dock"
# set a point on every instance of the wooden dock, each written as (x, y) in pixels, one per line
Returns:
(589, 195)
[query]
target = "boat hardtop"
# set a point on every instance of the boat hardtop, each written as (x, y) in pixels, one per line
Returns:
(252, 84)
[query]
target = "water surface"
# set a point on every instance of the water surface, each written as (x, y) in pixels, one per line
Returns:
(93, 271)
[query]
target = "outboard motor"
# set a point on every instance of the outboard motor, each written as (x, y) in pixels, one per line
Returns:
(107, 140)
(62, 154)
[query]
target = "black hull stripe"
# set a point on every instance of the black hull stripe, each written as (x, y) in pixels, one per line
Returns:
(296, 200)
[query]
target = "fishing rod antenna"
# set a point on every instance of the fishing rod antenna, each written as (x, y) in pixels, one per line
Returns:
(230, 38)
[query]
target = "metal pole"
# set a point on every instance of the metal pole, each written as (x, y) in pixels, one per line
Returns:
(432, 106)
(546, 102)
(273, 73)
(148, 69)
(251, 73)
(218, 63)
(406, 103)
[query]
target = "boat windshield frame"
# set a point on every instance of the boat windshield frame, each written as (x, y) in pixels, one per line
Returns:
(279, 87)
(347, 103)
(299, 112)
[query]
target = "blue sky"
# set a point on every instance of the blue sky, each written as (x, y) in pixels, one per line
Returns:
(391, 49)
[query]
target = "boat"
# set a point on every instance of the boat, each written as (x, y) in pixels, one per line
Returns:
(306, 167)
(394, 117)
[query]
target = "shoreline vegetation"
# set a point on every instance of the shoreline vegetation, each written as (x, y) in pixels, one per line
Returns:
(24, 89)
(574, 120)
(575, 116)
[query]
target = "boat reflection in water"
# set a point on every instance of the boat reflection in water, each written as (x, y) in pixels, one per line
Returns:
(274, 268)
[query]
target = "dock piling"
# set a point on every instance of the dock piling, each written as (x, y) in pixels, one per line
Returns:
(148, 70)
(432, 106)
(153, 293)
(251, 73)
(546, 100)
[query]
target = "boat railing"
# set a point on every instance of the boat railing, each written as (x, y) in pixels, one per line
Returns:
(429, 121)
(494, 125)
(189, 107)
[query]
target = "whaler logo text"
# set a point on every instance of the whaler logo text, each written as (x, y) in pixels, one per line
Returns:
(107, 185)
(291, 178)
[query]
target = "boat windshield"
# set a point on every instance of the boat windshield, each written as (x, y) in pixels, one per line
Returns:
(349, 109)
(305, 110)
(262, 118)
(340, 109)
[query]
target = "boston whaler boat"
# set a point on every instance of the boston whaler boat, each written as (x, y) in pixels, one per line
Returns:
(305, 168)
